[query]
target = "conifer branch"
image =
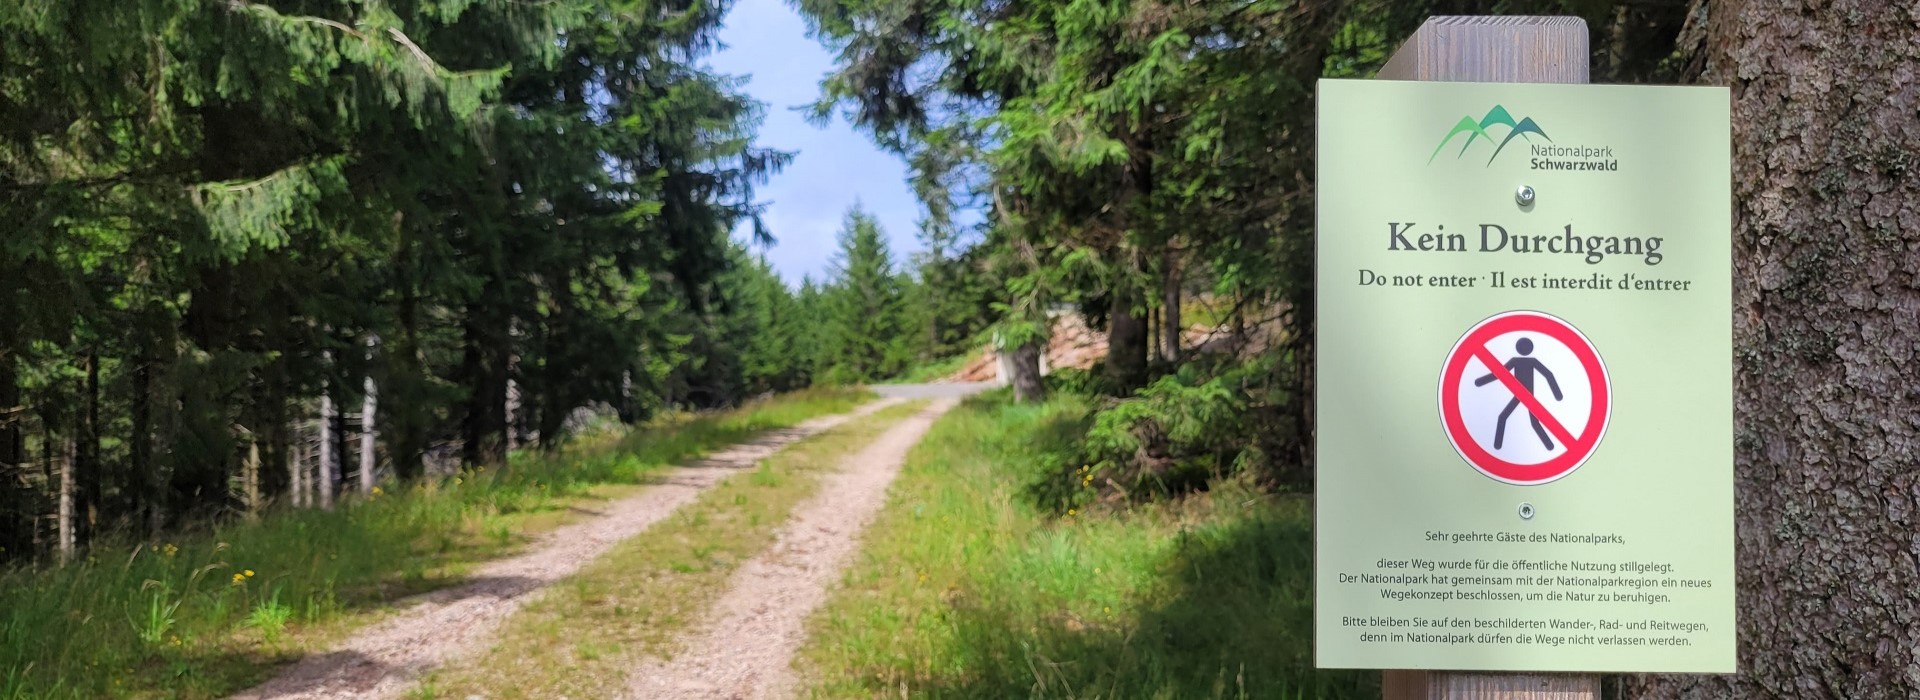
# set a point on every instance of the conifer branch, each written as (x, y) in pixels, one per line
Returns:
(418, 52)
(240, 6)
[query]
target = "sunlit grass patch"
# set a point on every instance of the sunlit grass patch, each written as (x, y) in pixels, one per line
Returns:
(967, 590)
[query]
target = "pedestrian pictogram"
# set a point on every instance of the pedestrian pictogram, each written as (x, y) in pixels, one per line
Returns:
(1524, 397)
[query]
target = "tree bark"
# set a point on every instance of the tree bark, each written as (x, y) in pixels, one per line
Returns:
(153, 492)
(13, 444)
(628, 412)
(368, 429)
(15, 516)
(62, 452)
(1170, 325)
(250, 475)
(1024, 366)
(1152, 329)
(323, 481)
(1826, 335)
(296, 473)
(483, 369)
(90, 472)
(1127, 340)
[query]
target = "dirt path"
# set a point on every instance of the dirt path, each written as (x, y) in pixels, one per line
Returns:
(382, 660)
(745, 646)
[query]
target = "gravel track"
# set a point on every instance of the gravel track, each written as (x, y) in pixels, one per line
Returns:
(744, 648)
(382, 660)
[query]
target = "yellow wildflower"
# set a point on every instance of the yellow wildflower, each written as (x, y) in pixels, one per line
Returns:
(248, 572)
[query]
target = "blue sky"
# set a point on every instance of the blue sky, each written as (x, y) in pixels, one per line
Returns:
(833, 166)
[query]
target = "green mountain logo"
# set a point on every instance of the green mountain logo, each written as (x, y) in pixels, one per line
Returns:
(1477, 130)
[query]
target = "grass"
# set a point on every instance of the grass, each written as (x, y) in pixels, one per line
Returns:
(209, 613)
(587, 632)
(967, 590)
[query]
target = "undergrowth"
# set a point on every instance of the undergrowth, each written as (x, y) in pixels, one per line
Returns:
(1212, 418)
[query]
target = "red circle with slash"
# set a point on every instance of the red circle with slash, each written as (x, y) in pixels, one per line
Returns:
(1475, 346)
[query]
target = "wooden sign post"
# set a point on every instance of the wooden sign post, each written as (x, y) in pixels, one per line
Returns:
(1491, 50)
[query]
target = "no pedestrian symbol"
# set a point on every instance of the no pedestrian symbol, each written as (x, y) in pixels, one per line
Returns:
(1524, 397)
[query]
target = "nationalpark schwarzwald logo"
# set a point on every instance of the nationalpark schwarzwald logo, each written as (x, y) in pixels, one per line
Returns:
(1498, 129)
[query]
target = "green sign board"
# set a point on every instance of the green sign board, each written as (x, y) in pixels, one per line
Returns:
(1525, 382)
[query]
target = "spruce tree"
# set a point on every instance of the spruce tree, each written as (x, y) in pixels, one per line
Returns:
(865, 306)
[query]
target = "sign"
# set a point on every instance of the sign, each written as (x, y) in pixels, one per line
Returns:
(1505, 364)
(1524, 422)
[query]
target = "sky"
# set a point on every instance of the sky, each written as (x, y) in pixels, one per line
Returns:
(833, 166)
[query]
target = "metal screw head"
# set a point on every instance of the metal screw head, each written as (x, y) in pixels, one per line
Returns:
(1524, 195)
(1526, 511)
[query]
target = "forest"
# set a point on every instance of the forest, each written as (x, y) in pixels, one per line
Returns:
(268, 255)
(263, 253)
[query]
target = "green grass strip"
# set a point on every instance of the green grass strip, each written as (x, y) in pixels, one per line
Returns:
(966, 590)
(205, 614)
(586, 632)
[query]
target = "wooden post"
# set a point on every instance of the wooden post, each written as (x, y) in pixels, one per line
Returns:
(1491, 50)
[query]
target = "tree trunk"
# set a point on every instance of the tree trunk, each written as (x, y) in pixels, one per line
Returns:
(296, 472)
(628, 411)
(250, 475)
(368, 429)
(1170, 325)
(323, 483)
(1024, 363)
(90, 473)
(1826, 334)
(15, 517)
(62, 452)
(512, 410)
(153, 492)
(483, 369)
(1127, 341)
(342, 449)
(406, 432)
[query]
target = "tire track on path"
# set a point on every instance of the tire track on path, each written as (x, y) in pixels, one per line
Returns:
(382, 660)
(745, 646)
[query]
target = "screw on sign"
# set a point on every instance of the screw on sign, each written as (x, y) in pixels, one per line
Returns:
(1524, 397)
